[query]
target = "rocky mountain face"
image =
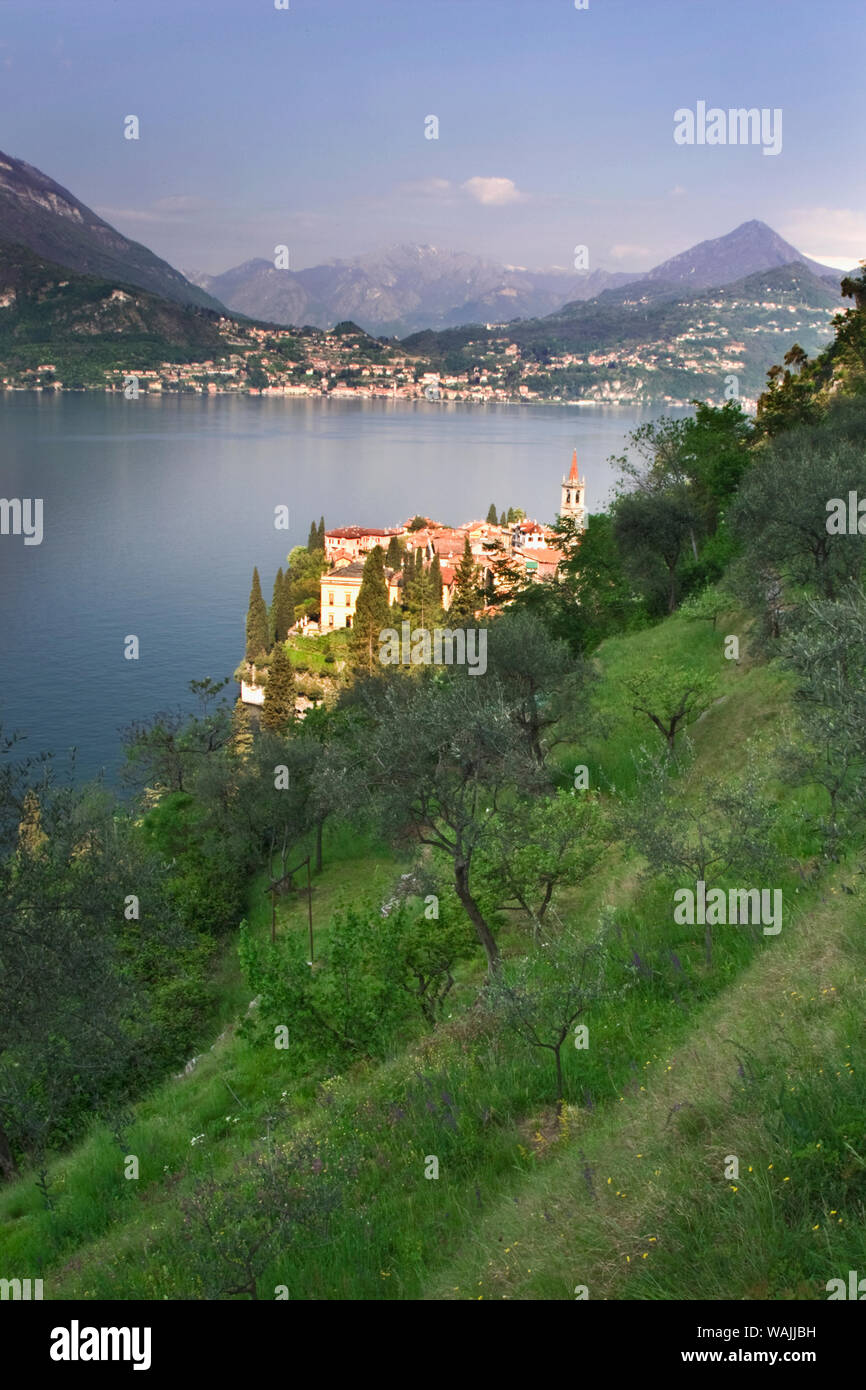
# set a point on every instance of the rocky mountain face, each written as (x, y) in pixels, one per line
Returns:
(38, 213)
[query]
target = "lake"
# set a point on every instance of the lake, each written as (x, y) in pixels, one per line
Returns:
(156, 510)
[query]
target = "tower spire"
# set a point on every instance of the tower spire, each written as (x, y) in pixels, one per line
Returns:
(573, 489)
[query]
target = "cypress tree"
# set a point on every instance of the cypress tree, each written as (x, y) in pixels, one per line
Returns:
(467, 596)
(285, 608)
(423, 605)
(372, 614)
(394, 558)
(278, 710)
(436, 580)
(313, 537)
(320, 534)
(274, 610)
(491, 515)
(257, 621)
(503, 520)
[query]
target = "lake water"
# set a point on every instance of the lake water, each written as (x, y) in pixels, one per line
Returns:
(156, 510)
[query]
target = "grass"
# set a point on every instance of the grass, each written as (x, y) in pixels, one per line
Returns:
(759, 1060)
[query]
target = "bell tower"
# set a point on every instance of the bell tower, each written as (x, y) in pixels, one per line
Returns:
(573, 491)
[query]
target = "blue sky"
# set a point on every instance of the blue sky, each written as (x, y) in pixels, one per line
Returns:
(306, 127)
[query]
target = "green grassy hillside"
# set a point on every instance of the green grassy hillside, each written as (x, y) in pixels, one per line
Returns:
(758, 1058)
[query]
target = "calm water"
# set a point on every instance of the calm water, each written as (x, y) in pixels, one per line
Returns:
(155, 512)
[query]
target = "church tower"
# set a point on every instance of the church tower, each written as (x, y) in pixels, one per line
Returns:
(573, 490)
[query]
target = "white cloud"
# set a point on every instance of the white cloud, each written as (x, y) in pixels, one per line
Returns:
(493, 192)
(677, 191)
(624, 251)
(171, 209)
(426, 188)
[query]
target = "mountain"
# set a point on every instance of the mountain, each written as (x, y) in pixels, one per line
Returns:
(84, 325)
(38, 213)
(408, 288)
(649, 341)
(751, 247)
(401, 289)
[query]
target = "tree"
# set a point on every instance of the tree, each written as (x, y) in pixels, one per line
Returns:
(433, 758)
(278, 710)
(543, 994)
(235, 1227)
(670, 697)
(540, 844)
(394, 556)
(491, 515)
(541, 679)
(653, 530)
(418, 523)
(285, 609)
(702, 828)
(320, 535)
(467, 595)
(436, 582)
(257, 621)
(305, 572)
(503, 519)
(313, 538)
(372, 614)
(273, 611)
(424, 608)
(827, 653)
(780, 515)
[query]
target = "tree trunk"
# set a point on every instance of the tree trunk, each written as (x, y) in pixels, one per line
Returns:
(476, 917)
(319, 824)
(559, 1085)
(8, 1166)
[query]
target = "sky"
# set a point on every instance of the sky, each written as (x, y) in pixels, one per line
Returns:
(305, 126)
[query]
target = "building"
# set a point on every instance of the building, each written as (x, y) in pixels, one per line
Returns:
(338, 593)
(357, 540)
(573, 492)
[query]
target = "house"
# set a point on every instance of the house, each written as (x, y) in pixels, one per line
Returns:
(357, 540)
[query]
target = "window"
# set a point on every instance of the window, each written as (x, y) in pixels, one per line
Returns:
(348, 598)
(330, 620)
(331, 598)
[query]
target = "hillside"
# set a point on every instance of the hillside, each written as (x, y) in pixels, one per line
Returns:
(625, 1193)
(38, 213)
(84, 324)
(650, 341)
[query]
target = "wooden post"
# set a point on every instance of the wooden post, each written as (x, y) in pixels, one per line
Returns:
(310, 906)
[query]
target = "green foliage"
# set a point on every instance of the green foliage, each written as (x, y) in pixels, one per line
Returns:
(278, 710)
(257, 621)
(466, 598)
(372, 614)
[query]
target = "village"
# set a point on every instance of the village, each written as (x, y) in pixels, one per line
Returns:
(524, 550)
(529, 547)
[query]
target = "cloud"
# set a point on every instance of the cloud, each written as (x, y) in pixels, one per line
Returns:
(426, 188)
(177, 208)
(623, 251)
(493, 192)
(833, 236)
(677, 191)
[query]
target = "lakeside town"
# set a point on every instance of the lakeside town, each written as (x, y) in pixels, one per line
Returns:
(347, 364)
(523, 549)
